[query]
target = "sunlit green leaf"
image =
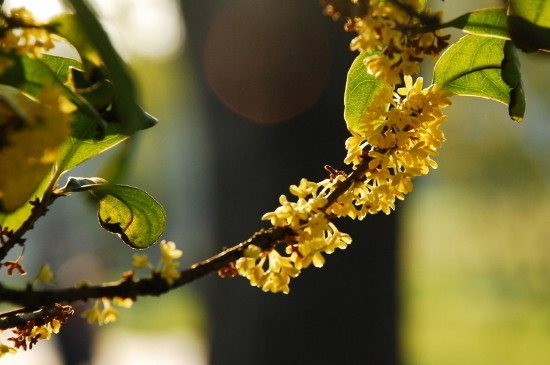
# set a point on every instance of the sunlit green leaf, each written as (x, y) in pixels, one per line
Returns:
(83, 145)
(132, 214)
(529, 22)
(60, 66)
(535, 11)
(361, 91)
(488, 22)
(472, 67)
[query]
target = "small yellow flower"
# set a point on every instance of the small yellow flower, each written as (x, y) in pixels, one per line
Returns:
(45, 275)
(56, 326)
(140, 261)
(41, 333)
(5, 349)
(168, 251)
(93, 314)
(123, 302)
(109, 314)
(169, 271)
(31, 39)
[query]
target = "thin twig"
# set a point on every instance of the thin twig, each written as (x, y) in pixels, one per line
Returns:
(39, 209)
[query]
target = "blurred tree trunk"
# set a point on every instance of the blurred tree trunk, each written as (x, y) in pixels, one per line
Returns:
(344, 313)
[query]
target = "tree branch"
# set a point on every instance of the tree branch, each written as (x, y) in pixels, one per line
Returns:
(39, 317)
(32, 300)
(39, 209)
(152, 286)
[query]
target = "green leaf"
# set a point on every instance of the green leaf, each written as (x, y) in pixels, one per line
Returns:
(78, 184)
(472, 67)
(130, 115)
(516, 109)
(510, 65)
(535, 11)
(487, 22)
(132, 214)
(83, 145)
(61, 66)
(529, 23)
(527, 36)
(361, 91)
(31, 74)
(511, 75)
(95, 88)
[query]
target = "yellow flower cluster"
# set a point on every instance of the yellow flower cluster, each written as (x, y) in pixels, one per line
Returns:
(103, 312)
(398, 137)
(314, 235)
(45, 275)
(20, 32)
(30, 140)
(44, 332)
(167, 266)
(396, 37)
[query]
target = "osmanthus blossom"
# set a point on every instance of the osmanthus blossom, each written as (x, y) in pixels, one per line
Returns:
(5, 349)
(397, 138)
(140, 261)
(45, 275)
(31, 148)
(24, 35)
(168, 265)
(396, 38)
(28, 334)
(103, 312)
(399, 146)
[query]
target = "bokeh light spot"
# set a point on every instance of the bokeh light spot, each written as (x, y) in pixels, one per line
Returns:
(268, 60)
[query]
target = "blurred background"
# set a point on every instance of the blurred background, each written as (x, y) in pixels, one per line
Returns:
(249, 97)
